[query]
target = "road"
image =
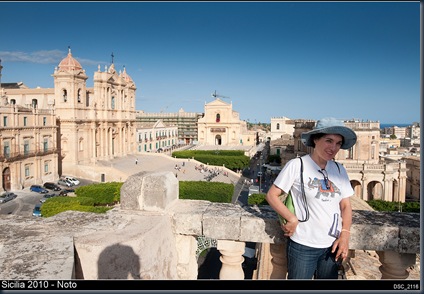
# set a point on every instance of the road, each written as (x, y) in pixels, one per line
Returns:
(26, 200)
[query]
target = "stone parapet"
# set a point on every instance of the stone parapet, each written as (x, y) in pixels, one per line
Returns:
(155, 239)
(370, 229)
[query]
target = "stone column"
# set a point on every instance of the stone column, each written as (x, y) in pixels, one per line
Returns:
(93, 144)
(187, 262)
(394, 264)
(231, 258)
(278, 261)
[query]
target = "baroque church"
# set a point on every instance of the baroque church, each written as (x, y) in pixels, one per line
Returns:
(65, 130)
(221, 126)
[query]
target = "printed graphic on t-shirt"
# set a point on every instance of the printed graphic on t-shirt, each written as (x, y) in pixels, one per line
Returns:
(324, 188)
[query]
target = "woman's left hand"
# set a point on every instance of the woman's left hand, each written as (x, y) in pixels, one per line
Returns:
(341, 246)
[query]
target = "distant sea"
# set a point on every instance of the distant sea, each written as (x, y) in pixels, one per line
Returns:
(382, 126)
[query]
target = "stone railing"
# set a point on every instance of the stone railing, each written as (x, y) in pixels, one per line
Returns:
(152, 235)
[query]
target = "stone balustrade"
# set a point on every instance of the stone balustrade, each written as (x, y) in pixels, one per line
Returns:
(152, 235)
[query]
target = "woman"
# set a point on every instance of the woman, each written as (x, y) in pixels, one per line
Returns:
(319, 232)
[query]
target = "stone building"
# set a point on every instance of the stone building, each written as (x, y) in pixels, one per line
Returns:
(281, 126)
(78, 124)
(153, 137)
(413, 177)
(222, 126)
(28, 140)
(185, 121)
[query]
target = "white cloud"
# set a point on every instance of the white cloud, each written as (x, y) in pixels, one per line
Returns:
(42, 57)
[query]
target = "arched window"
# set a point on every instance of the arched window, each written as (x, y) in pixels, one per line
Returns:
(218, 117)
(65, 95)
(79, 96)
(112, 102)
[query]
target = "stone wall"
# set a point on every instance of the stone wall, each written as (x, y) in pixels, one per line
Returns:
(155, 239)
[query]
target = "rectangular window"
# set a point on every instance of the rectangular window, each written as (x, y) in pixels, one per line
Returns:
(26, 147)
(6, 150)
(25, 121)
(27, 171)
(46, 167)
(5, 121)
(46, 145)
(44, 121)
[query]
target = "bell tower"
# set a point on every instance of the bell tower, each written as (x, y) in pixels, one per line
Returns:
(70, 87)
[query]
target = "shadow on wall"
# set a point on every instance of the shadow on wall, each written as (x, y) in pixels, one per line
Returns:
(119, 262)
(115, 262)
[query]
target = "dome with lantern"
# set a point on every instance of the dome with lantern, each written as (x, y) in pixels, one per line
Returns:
(69, 63)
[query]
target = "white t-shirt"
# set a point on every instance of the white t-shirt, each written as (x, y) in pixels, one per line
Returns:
(325, 222)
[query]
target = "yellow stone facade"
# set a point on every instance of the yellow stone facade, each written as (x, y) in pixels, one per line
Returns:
(77, 124)
(221, 126)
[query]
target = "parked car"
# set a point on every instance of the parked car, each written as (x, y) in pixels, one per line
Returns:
(63, 193)
(37, 210)
(7, 197)
(64, 182)
(51, 186)
(47, 196)
(73, 180)
(38, 189)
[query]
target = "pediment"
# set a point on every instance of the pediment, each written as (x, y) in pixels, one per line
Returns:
(218, 102)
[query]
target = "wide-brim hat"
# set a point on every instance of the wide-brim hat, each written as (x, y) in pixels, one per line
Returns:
(330, 125)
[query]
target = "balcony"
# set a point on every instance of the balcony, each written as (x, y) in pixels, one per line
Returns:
(153, 235)
(14, 156)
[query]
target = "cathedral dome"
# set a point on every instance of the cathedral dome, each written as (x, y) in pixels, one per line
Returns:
(69, 63)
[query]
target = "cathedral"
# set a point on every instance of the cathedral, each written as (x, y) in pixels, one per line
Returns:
(50, 132)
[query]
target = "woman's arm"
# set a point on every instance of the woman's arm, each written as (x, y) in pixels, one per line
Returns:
(342, 243)
(272, 197)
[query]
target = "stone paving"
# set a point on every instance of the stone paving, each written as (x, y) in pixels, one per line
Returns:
(184, 169)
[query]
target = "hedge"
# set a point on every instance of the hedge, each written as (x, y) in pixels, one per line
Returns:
(96, 197)
(210, 191)
(232, 159)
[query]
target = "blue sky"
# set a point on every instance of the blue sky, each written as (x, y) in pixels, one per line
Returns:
(296, 59)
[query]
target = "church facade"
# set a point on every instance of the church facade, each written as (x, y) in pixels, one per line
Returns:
(221, 126)
(68, 126)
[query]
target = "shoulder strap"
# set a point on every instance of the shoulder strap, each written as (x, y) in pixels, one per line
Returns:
(338, 167)
(303, 198)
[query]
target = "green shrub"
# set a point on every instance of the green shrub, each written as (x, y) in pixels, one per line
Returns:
(411, 207)
(95, 197)
(210, 191)
(257, 199)
(57, 205)
(103, 193)
(232, 159)
(381, 205)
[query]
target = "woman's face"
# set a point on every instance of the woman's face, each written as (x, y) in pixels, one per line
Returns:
(328, 145)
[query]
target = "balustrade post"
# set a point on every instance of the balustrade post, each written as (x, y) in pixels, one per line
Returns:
(278, 261)
(231, 259)
(394, 264)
